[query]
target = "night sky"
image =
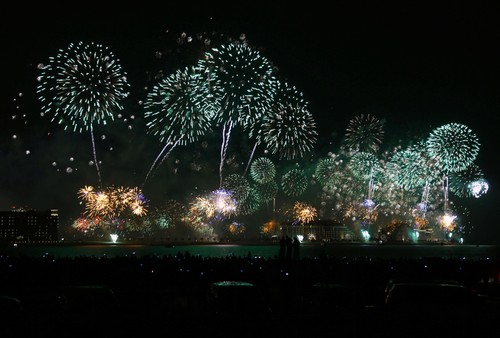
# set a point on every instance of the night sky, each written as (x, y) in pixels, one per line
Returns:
(415, 66)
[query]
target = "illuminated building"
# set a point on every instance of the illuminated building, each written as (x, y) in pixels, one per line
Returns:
(319, 230)
(29, 226)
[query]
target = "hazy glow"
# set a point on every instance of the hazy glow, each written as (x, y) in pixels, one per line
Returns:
(447, 222)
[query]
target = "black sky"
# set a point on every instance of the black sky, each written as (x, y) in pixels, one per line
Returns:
(416, 65)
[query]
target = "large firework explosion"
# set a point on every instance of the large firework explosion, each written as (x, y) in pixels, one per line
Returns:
(364, 166)
(286, 95)
(243, 84)
(178, 110)
(455, 146)
(326, 171)
(82, 86)
(408, 169)
(289, 131)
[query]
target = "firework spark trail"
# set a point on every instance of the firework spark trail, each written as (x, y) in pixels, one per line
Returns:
(153, 168)
(154, 162)
(251, 157)
(223, 149)
(445, 193)
(254, 128)
(170, 150)
(95, 156)
(371, 185)
(425, 193)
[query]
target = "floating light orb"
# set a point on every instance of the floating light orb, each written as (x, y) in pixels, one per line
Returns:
(422, 206)
(366, 235)
(368, 203)
(478, 188)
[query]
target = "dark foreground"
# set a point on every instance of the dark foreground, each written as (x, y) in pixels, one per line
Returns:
(179, 295)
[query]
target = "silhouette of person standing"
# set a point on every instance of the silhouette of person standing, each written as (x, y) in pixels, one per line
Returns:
(289, 248)
(281, 254)
(296, 248)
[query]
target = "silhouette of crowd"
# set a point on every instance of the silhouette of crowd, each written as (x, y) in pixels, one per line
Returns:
(174, 293)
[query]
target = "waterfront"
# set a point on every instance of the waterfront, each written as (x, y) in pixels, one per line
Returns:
(263, 250)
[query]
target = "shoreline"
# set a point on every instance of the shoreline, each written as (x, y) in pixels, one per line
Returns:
(253, 249)
(236, 243)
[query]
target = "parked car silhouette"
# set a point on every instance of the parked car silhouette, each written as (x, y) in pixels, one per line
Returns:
(236, 298)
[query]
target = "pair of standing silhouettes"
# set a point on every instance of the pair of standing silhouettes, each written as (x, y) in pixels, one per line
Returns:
(289, 249)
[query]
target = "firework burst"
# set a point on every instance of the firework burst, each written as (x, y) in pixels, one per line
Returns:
(365, 165)
(290, 131)
(82, 86)
(294, 182)
(267, 191)
(251, 204)
(262, 170)
(364, 133)
(304, 213)
(286, 95)
(178, 111)
(465, 183)
(242, 83)
(238, 186)
(113, 202)
(454, 146)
